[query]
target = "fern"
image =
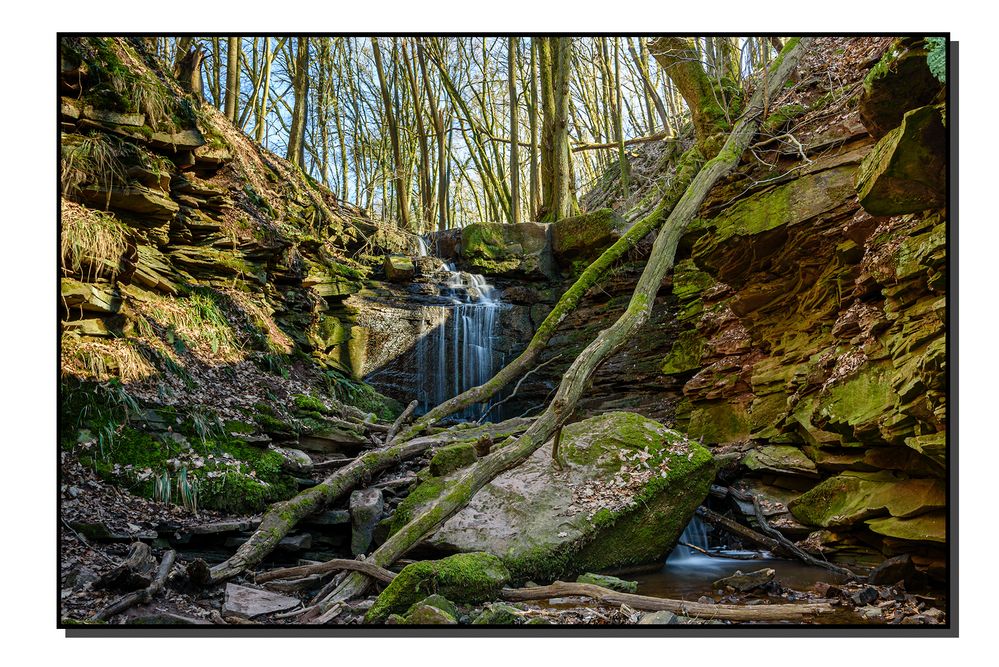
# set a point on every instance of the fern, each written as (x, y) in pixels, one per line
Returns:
(936, 57)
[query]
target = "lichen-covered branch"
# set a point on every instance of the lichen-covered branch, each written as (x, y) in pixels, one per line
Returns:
(285, 515)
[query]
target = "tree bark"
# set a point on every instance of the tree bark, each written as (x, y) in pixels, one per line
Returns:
(678, 57)
(722, 612)
(145, 595)
(300, 84)
(232, 79)
(511, 68)
(576, 379)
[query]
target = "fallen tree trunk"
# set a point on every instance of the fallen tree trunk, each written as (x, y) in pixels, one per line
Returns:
(736, 528)
(137, 571)
(723, 612)
(332, 565)
(577, 378)
(401, 420)
(786, 544)
(283, 516)
(145, 595)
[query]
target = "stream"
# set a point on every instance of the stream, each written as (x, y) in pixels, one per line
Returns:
(688, 573)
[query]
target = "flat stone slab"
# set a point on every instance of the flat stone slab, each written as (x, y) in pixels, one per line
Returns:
(249, 602)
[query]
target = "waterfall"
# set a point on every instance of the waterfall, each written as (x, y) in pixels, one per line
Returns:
(455, 351)
(696, 534)
(421, 244)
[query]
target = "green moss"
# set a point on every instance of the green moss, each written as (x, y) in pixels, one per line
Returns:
(309, 403)
(272, 425)
(430, 489)
(229, 474)
(686, 353)
(719, 422)
(851, 497)
(471, 578)
(451, 458)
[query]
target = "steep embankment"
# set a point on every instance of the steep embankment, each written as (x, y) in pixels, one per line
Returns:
(803, 334)
(203, 282)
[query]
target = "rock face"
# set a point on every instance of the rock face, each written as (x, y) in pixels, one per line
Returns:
(900, 81)
(365, 511)
(906, 171)
(625, 493)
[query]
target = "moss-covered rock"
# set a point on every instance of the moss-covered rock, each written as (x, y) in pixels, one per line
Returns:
(900, 81)
(425, 613)
(930, 527)
(398, 268)
(451, 458)
(780, 459)
(855, 406)
(547, 523)
(608, 581)
(495, 249)
(497, 614)
(851, 497)
(906, 171)
(470, 577)
(719, 422)
(586, 236)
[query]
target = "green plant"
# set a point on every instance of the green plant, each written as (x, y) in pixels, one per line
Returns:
(936, 57)
(161, 488)
(92, 243)
(187, 489)
(91, 159)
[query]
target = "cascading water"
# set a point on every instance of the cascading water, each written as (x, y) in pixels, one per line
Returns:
(695, 534)
(456, 353)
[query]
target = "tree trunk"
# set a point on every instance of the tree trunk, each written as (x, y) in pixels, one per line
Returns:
(576, 379)
(511, 68)
(189, 71)
(300, 84)
(401, 183)
(679, 58)
(535, 196)
(283, 516)
(557, 192)
(232, 79)
(621, 155)
(724, 612)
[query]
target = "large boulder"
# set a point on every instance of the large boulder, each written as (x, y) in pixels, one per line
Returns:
(580, 239)
(626, 489)
(899, 82)
(473, 577)
(906, 172)
(399, 268)
(495, 249)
